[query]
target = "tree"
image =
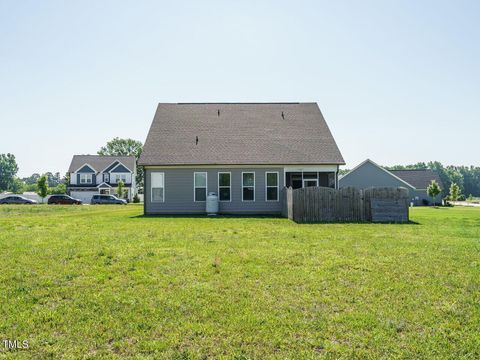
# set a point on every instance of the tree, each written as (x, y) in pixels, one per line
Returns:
(59, 189)
(8, 170)
(17, 186)
(433, 190)
(125, 147)
(42, 186)
(120, 186)
(454, 191)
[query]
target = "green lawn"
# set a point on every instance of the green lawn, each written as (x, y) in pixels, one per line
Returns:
(85, 281)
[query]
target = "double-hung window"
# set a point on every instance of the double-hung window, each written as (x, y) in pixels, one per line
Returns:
(200, 186)
(224, 186)
(157, 186)
(271, 184)
(248, 186)
(85, 178)
(119, 177)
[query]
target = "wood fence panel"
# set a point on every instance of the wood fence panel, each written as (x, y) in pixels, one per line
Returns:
(319, 204)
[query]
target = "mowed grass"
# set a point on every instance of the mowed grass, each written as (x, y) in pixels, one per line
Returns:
(103, 281)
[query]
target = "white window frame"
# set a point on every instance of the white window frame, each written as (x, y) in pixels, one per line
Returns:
(200, 187)
(151, 187)
(106, 177)
(267, 186)
(229, 185)
(122, 177)
(86, 176)
(304, 180)
(248, 172)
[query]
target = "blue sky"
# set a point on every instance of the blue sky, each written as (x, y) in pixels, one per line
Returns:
(397, 81)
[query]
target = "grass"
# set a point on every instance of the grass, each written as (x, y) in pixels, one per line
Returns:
(86, 281)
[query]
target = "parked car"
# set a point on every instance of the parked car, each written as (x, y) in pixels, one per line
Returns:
(107, 199)
(16, 199)
(63, 199)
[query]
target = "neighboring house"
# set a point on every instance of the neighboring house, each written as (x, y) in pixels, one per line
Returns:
(369, 174)
(244, 152)
(96, 174)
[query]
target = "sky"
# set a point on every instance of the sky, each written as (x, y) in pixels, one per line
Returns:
(397, 81)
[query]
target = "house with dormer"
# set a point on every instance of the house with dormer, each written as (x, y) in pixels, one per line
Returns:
(98, 174)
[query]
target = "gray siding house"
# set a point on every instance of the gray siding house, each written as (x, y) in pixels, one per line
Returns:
(369, 174)
(244, 152)
(95, 174)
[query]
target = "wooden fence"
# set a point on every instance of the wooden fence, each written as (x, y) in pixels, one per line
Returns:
(320, 204)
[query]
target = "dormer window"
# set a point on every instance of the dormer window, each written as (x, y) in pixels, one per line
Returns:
(85, 178)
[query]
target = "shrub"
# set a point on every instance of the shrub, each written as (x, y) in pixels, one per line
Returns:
(136, 199)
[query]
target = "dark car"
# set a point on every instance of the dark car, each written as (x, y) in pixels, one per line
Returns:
(107, 199)
(63, 199)
(16, 199)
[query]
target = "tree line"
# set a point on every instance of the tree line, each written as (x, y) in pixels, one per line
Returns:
(466, 177)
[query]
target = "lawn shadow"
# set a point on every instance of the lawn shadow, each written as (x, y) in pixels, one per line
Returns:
(410, 222)
(203, 216)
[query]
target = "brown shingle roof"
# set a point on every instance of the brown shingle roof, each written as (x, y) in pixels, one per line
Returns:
(239, 133)
(419, 179)
(100, 162)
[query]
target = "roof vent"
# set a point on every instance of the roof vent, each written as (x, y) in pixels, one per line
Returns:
(218, 112)
(196, 140)
(283, 116)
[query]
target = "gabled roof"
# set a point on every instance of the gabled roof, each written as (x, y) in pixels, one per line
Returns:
(416, 179)
(100, 162)
(378, 166)
(240, 134)
(420, 179)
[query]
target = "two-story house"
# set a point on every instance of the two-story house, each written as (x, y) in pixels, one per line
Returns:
(96, 174)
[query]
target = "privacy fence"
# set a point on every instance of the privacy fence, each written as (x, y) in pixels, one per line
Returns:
(320, 204)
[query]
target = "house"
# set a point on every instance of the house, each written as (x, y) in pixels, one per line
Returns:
(96, 174)
(369, 174)
(244, 152)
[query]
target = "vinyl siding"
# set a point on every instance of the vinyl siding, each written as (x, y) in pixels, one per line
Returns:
(179, 192)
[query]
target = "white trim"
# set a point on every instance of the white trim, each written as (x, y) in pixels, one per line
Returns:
(119, 163)
(229, 186)
(313, 167)
(90, 166)
(241, 182)
(200, 187)
(115, 181)
(151, 188)
(303, 182)
(378, 166)
(102, 184)
(87, 182)
(310, 168)
(267, 186)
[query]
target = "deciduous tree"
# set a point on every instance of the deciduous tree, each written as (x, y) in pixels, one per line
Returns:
(42, 187)
(433, 190)
(8, 170)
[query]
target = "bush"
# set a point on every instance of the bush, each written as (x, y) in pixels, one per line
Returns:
(136, 199)
(462, 198)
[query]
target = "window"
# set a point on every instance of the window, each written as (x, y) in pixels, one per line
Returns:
(106, 177)
(224, 186)
(119, 177)
(157, 186)
(200, 186)
(85, 178)
(248, 186)
(271, 183)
